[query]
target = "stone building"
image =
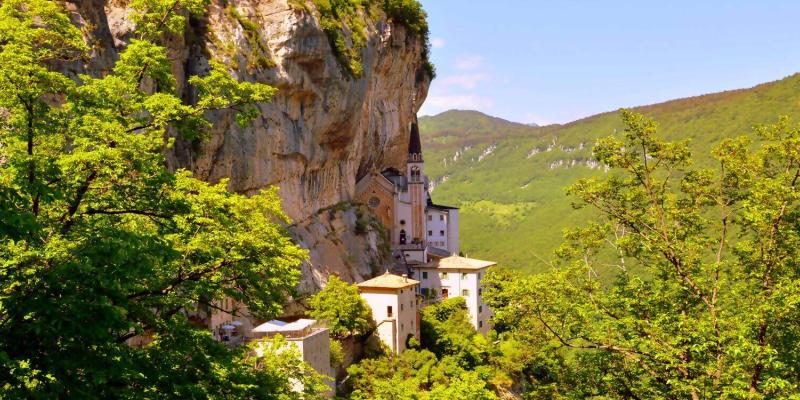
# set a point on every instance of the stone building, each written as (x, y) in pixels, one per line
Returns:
(403, 204)
(311, 340)
(393, 300)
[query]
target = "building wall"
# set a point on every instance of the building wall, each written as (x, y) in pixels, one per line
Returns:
(385, 210)
(395, 330)
(452, 280)
(417, 192)
(403, 214)
(408, 322)
(453, 245)
(437, 231)
(418, 256)
(316, 351)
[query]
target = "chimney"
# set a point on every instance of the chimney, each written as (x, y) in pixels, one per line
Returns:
(405, 277)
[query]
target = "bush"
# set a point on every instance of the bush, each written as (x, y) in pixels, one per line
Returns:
(337, 353)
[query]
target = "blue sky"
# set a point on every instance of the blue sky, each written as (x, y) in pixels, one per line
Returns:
(557, 61)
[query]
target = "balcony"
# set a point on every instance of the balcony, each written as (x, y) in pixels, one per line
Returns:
(409, 247)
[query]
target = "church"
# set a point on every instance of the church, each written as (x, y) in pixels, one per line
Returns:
(420, 230)
(424, 241)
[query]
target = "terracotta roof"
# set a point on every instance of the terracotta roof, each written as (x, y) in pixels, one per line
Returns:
(388, 281)
(456, 262)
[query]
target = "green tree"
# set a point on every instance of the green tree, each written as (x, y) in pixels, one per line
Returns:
(452, 364)
(100, 241)
(341, 306)
(714, 314)
(446, 330)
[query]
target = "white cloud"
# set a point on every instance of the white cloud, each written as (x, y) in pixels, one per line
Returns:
(436, 103)
(469, 63)
(437, 43)
(466, 81)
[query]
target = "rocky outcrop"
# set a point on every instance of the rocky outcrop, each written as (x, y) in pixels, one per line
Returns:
(321, 133)
(346, 240)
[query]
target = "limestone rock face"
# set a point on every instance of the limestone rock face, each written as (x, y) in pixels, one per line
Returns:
(321, 133)
(345, 240)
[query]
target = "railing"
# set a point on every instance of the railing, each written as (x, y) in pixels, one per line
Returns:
(410, 246)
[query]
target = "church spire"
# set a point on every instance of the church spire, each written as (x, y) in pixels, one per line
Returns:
(414, 143)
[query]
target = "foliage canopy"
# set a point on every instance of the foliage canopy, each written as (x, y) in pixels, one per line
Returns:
(341, 306)
(101, 242)
(715, 313)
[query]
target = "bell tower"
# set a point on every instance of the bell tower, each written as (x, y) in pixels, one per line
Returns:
(416, 184)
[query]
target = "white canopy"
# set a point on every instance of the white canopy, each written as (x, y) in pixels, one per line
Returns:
(277, 326)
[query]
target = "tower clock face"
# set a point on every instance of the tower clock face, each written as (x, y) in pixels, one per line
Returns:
(374, 202)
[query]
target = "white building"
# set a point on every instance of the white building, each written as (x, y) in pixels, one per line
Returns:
(457, 276)
(403, 204)
(393, 300)
(424, 235)
(311, 341)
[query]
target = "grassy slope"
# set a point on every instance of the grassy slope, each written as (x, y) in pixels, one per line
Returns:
(514, 207)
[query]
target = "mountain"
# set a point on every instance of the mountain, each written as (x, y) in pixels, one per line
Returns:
(509, 178)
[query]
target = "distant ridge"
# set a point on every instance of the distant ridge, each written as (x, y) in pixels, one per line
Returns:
(509, 178)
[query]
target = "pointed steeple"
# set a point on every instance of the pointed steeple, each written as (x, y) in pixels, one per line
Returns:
(414, 143)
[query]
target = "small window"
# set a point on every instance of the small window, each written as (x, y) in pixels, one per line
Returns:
(430, 217)
(441, 233)
(401, 306)
(389, 311)
(443, 275)
(465, 292)
(441, 218)
(464, 276)
(480, 324)
(480, 309)
(424, 274)
(401, 327)
(430, 233)
(374, 202)
(480, 291)
(402, 222)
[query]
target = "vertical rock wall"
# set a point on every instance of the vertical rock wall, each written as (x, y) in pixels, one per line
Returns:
(321, 133)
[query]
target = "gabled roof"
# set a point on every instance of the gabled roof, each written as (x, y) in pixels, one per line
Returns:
(461, 263)
(384, 182)
(387, 281)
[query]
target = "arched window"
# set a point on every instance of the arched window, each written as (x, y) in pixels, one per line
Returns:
(415, 174)
(403, 236)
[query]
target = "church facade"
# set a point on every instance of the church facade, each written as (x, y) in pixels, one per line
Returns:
(419, 228)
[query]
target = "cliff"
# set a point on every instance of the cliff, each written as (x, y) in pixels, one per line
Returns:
(325, 129)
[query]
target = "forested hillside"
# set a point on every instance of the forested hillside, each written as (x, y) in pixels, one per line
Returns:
(509, 178)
